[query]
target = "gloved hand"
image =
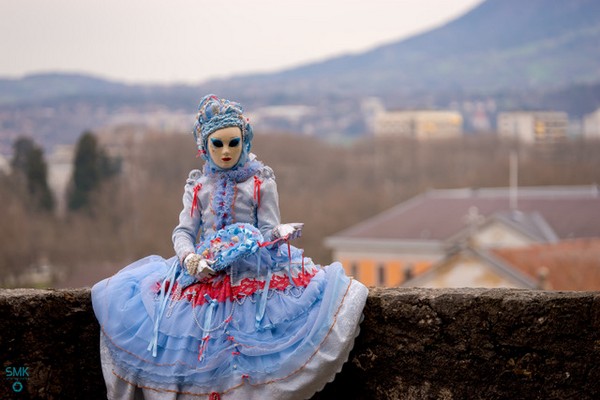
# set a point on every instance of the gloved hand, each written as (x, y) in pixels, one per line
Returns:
(288, 231)
(198, 266)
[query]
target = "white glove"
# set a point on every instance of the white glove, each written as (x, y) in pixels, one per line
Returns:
(288, 231)
(198, 266)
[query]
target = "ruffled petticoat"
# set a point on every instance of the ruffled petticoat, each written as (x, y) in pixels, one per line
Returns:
(226, 337)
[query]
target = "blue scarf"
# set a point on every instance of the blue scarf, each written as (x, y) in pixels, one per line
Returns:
(225, 182)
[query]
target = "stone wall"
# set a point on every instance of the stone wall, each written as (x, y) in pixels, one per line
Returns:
(414, 344)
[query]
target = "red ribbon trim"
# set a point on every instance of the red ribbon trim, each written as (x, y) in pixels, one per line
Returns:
(257, 183)
(195, 200)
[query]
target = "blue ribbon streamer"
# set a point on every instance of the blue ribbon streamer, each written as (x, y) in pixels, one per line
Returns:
(262, 304)
(162, 304)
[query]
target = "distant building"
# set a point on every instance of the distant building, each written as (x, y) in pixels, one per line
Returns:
(161, 120)
(419, 124)
(371, 107)
(290, 118)
(404, 242)
(564, 265)
(533, 127)
(591, 125)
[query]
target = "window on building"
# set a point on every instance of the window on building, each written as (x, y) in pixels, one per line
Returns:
(381, 275)
(354, 270)
(409, 272)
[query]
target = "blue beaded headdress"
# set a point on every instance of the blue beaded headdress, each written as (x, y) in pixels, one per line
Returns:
(214, 114)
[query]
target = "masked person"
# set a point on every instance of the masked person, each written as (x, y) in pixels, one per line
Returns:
(238, 313)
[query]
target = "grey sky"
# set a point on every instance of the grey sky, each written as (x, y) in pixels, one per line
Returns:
(190, 41)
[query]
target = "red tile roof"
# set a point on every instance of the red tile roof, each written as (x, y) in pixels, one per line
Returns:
(572, 212)
(568, 265)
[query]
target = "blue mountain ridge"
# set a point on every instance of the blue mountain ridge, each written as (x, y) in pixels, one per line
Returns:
(499, 45)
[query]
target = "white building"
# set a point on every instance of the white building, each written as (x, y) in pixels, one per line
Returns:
(591, 125)
(419, 124)
(533, 127)
(161, 120)
(283, 118)
(371, 107)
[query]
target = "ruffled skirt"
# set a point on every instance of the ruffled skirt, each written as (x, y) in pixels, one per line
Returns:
(281, 331)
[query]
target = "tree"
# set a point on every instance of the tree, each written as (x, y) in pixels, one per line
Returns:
(29, 167)
(91, 167)
(22, 147)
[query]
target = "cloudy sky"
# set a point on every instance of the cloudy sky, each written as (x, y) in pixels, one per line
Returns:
(188, 41)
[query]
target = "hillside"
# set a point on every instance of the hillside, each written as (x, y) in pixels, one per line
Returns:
(499, 45)
(47, 87)
(534, 54)
(40, 87)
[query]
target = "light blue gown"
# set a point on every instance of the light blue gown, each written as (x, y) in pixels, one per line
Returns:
(270, 325)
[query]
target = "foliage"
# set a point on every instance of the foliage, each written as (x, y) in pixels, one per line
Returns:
(30, 169)
(91, 167)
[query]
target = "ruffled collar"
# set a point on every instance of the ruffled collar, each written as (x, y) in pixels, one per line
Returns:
(237, 174)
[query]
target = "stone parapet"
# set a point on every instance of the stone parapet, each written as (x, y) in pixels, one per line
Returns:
(414, 344)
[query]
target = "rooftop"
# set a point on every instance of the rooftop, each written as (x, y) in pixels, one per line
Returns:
(570, 211)
(567, 265)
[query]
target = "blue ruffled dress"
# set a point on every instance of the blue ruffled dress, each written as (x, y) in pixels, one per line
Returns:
(269, 325)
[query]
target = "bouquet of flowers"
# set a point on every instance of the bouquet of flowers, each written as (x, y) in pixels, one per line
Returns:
(232, 243)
